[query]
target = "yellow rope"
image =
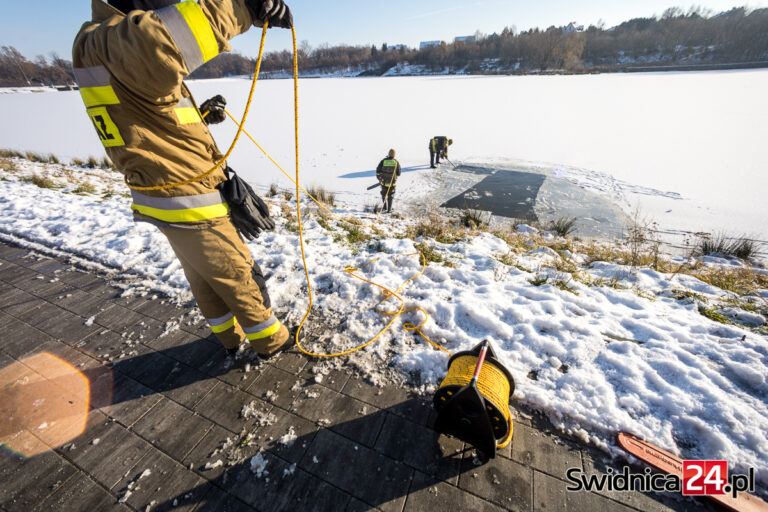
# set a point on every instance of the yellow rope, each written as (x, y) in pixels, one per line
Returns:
(237, 136)
(351, 271)
(493, 384)
(240, 130)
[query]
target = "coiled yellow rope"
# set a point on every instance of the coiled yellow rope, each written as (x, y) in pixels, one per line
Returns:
(493, 384)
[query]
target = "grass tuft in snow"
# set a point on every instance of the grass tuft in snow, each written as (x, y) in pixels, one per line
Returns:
(712, 315)
(84, 188)
(323, 195)
(7, 165)
(355, 234)
(563, 226)
(428, 254)
(741, 247)
(473, 219)
(436, 228)
(40, 181)
(737, 280)
(11, 153)
(41, 158)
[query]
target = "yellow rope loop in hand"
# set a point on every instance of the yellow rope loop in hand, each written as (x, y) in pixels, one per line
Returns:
(237, 136)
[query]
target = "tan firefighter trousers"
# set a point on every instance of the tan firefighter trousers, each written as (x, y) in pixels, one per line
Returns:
(229, 287)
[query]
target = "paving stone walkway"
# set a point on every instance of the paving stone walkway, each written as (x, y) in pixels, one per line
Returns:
(107, 406)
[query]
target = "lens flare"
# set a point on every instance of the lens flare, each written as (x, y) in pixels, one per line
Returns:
(44, 404)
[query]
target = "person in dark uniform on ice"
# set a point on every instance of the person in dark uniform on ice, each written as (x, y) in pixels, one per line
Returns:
(387, 173)
(438, 148)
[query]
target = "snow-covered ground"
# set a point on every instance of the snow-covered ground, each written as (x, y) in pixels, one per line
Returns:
(630, 351)
(696, 138)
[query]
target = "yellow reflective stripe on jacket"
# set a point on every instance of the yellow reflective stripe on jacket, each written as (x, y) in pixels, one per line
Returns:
(389, 163)
(180, 209)
(191, 31)
(104, 95)
(186, 112)
(200, 27)
(188, 115)
(222, 324)
(263, 330)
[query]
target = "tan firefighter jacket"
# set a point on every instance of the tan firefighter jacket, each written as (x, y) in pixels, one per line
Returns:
(130, 71)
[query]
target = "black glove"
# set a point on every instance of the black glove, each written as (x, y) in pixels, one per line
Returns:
(274, 11)
(250, 214)
(215, 108)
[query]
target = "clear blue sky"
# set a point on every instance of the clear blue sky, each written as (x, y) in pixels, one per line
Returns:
(42, 26)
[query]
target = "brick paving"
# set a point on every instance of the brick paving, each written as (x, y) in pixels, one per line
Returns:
(172, 424)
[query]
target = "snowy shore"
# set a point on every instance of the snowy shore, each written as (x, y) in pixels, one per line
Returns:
(597, 345)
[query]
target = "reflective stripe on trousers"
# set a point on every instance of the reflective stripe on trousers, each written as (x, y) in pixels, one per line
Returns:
(263, 330)
(180, 209)
(219, 325)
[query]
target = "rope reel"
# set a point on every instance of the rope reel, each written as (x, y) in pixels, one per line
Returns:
(472, 402)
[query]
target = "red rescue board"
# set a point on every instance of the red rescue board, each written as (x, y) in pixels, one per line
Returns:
(672, 464)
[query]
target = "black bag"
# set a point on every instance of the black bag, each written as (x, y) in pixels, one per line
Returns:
(250, 214)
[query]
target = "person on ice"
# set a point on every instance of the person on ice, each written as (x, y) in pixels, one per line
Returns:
(387, 172)
(438, 148)
(130, 61)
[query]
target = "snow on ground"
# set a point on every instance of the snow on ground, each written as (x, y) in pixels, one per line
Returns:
(627, 354)
(695, 137)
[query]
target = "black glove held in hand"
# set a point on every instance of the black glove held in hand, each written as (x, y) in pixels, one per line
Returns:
(274, 11)
(215, 108)
(250, 214)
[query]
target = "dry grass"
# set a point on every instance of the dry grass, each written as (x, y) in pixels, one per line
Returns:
(41, 158)
(84, 188)
(7, 165)
(737, 280)
(40, 181)
(11, 153)
(438, 229)
(322, 195)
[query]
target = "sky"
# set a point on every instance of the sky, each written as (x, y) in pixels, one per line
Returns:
(44, 26)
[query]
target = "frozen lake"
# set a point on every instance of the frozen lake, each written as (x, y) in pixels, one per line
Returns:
(688, 147)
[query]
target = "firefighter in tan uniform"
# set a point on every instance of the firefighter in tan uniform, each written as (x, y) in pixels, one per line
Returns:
(130, 61)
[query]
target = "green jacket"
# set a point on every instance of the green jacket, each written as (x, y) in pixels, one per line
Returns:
(387, 172)
(130, 69)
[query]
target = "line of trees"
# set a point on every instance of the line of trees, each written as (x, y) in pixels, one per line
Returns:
(693, 36)
(676, 37)
(16, 70)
